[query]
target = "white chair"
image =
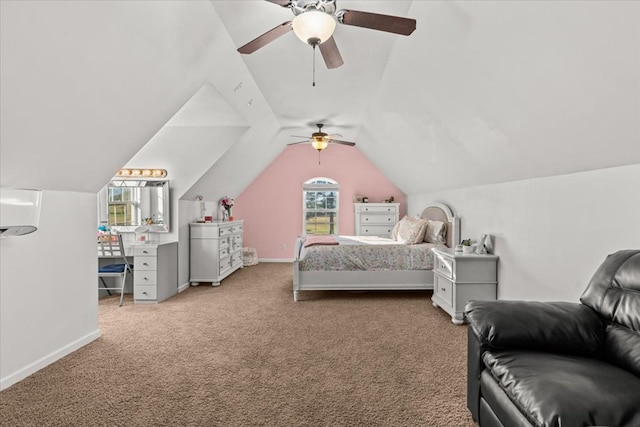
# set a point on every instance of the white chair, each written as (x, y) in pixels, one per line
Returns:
(110, 246)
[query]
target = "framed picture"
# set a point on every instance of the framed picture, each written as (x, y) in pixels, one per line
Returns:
(358, 199)
(480, 247)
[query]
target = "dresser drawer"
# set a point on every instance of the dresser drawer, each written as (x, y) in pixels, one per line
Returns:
(236, 228)
(236, 242)
(142, 277)
(145, 251)
(225, 230)
(223, 242)
(377, 219)
(236, 259)
(224, 251)
(145, 293)
(225, 265)
(375, 230)
(443, 288)
(378, 209)
(143, 263)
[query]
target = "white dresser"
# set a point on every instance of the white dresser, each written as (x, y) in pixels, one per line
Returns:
(459, 278)
(215, 251)
(375, 219)
(155, 271)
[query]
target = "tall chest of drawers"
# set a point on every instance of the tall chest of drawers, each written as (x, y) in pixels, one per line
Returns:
(215, 251)
(375, 219)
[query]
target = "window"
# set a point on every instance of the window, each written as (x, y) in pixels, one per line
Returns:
(320, 211)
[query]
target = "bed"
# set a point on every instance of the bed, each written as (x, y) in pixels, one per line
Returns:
(350, 272)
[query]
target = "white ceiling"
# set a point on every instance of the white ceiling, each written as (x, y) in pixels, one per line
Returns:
(482, 92)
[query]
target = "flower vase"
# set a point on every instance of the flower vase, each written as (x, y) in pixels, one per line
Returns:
(228, 215)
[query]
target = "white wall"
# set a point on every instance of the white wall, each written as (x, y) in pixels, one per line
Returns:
(550, 233)
(49, 287)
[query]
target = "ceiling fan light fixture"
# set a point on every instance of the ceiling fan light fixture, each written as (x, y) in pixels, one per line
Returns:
(314, 26)
(319, 143)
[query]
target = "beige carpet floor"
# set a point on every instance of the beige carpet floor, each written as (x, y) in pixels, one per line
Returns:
(244, 354)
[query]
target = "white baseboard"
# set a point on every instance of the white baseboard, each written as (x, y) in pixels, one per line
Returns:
(275, 259)
(183, 287)
(23, 373)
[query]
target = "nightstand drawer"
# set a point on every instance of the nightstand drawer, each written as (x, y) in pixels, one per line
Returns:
(444, 266)
(443, 288)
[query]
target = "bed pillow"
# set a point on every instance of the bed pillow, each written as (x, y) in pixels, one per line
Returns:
(394, 231)
(411, 230)
(436, 232)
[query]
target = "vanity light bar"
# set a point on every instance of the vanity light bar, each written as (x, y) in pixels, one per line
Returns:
(149, 173)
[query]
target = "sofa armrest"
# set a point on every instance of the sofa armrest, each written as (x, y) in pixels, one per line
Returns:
(554, 327)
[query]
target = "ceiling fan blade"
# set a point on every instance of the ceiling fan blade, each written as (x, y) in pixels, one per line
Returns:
(337, 141)
(266, 38)
(299, 142)
(298, 136)
(376, 21)
(283, 3)
(331, 54)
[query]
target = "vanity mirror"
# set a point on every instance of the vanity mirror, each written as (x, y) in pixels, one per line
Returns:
(131, 203)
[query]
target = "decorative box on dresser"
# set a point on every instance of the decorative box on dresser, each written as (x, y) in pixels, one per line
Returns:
(215, 251)
(375, 219)
(155, 271)
(459, 278)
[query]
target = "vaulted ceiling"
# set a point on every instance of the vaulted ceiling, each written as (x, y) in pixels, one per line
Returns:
(482, 92)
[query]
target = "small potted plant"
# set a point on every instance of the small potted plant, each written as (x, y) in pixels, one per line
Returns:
(467, 246)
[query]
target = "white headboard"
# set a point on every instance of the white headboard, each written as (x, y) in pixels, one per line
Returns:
(439, 211)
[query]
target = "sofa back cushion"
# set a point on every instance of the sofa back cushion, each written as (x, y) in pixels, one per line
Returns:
(614, 292)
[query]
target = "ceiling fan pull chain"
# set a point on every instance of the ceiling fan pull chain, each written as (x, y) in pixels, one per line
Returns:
(314, 68)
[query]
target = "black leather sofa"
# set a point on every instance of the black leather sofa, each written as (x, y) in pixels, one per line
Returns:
(560, 364)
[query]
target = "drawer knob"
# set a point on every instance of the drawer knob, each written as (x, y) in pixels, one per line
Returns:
(443, 289)
(146, 278)
(145, 252)
(145, 293)
(144, 263)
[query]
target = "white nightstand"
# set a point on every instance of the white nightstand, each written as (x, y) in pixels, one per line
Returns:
(459, 278)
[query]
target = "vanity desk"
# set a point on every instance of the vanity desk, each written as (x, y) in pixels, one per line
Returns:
(155, 270)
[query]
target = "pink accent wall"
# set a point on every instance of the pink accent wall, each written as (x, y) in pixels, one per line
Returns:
(271, 206)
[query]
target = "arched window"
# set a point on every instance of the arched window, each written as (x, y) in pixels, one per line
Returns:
(320, 210)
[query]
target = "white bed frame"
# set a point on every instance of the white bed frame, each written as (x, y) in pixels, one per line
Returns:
(377, 280)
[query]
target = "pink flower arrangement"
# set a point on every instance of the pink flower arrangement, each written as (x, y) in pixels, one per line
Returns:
(226, 202)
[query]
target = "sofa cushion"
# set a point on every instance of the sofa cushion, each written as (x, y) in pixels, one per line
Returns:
(614, 292)
(564, 390)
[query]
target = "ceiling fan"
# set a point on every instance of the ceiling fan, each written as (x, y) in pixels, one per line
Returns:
(321, 140)
(315, 22)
